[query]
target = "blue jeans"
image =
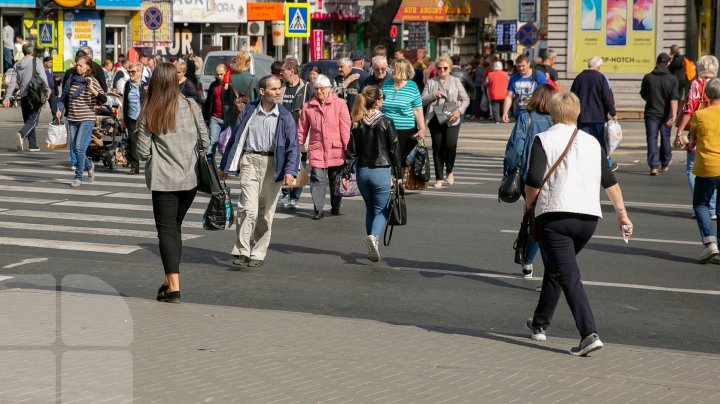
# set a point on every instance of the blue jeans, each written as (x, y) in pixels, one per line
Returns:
(80, 132)
(7, 58)
(656, 158)
(374, 186)
(703, 192)
(691, 179)
(597, 130)
(216, 126)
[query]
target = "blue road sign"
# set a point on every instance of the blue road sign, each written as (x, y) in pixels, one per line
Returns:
(153, 18)
(527, 35)
(297, 20)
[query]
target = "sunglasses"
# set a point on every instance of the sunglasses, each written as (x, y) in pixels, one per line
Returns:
(382, 97)
(443, 68)
(132, 71)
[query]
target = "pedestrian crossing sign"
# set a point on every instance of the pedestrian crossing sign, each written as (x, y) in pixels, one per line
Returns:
(297, 20)
(46, 34)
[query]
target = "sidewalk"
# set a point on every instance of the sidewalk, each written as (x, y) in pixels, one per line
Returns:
(124, 349)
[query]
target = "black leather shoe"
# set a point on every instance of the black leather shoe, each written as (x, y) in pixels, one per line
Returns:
(241, 261)
(319, 215)
(161, 291)
(171, 297)
(335, 211)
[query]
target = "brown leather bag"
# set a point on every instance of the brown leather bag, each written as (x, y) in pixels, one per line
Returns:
(241, 100)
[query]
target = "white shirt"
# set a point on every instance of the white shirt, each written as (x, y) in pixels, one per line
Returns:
(8, 36)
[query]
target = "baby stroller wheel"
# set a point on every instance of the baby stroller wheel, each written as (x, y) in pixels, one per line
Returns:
(110, 161)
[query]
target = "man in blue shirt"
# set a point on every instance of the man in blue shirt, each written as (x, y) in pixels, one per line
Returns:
(135, 90)
(521, 87)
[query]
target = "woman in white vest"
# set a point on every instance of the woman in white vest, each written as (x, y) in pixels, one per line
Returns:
(567, 212)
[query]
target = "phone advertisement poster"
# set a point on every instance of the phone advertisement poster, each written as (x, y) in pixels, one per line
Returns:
(621, 32)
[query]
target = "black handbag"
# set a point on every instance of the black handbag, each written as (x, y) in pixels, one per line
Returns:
(421, 164)
(397, 212)
(208, 180)
(520, 244)
(219, 214)
(511, 187)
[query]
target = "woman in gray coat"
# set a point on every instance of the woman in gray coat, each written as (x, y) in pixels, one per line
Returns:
(168, 130)
(445, 130)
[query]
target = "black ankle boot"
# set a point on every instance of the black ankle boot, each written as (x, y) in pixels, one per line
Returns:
(161, 291)
(171, 297)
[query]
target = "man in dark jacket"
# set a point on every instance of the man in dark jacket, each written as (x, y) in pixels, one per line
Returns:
(464, 77)
(52, 84)
(596, 102)
(135, 91)
(263, 151)
(213, 108)
(295, 92)
(677, 68)
(659, 89)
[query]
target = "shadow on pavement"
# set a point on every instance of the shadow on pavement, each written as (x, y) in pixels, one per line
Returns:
(626, 250)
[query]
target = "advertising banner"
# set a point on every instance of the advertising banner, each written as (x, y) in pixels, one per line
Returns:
(18, 3)
(266, 11)
(421, 10)
(621, 32)
(80, 28)
(316, 44)
(213, 11)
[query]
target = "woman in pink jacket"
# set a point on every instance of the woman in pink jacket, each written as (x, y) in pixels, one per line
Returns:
(326, 120)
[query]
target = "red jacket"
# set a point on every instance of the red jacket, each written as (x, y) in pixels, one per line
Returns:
(497, 85)
(328, 126)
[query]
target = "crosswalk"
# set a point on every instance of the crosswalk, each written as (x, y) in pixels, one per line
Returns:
(113, 215)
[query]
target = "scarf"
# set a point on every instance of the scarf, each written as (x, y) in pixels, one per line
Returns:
(370, 120)
(81, 88)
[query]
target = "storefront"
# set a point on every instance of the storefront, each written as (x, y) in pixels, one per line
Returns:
(12, 12)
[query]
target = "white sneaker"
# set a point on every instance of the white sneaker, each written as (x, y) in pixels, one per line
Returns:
(372, 245)
(710, 251)
(713, 217)
(284, 201)
(76, 183)
(527, 270)
(293, 204)
(91, 173)
(536, 333)
(588, 344)
(19, 141)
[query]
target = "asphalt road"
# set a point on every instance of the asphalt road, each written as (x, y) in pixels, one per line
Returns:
(450, 269)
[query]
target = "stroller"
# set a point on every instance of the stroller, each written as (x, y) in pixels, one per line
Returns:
(7, 77)
(108, 134)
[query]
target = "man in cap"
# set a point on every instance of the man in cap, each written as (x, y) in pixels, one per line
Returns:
(358, 65)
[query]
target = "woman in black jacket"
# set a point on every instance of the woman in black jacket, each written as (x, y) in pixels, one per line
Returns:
(373, 150)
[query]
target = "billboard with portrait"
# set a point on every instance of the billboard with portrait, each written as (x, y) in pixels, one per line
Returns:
(77, 29)
(622, 32)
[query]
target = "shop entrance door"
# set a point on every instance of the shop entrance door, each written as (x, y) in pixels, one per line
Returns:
(115, 42)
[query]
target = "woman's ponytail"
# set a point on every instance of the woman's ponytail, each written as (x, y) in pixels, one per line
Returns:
(359, 110)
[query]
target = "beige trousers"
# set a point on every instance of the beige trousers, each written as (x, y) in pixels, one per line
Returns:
(256, 206)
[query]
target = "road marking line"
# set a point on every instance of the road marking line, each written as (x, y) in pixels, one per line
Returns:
(25, 262)
(648, 240)
(89, 218)
(41, 190)
(57, 171)
(32, 201)
(100, 231)
(585, 282)
(117, 206)
(4, 278)
(65, 181)
(77, 246)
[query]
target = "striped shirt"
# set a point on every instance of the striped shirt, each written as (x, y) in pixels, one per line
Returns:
(82, 108)
(399, 105)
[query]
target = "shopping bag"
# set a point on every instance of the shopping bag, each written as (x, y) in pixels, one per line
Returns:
(352, 190)
(219, 214)
(56, 136)
(613, 136)
(223, 139)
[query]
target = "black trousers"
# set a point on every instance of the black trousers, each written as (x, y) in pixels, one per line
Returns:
(30, 119)
(562, 236)
(406, 143)
(133, 160)
(444, 142)
(169, 209)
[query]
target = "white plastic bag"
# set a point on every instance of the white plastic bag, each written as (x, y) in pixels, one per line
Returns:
(613, 136)
(56, 136)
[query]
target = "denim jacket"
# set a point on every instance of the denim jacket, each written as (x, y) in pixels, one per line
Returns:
(517, 151)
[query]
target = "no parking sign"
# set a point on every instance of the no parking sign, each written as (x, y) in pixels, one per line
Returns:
(527, 35)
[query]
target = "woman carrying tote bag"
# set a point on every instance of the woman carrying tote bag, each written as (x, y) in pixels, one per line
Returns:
(167, 140)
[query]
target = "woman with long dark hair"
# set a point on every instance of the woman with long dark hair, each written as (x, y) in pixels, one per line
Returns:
(167, 134)
(78, 101)
(373, 150)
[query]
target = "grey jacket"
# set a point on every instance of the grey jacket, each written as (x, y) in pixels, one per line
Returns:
(453, 91)
(23, 74)
(171, 160)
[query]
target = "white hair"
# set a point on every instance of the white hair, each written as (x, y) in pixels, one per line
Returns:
(322, 81)
(498, 65)
(345, 62)
(379, 60)
(595, 62)
(707, 66)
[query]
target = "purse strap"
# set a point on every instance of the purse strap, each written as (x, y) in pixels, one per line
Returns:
(557, 163)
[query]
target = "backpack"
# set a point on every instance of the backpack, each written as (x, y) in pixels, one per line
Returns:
(690, 69)
(37, 92)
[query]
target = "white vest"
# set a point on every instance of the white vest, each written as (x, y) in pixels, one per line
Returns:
(574, 187)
